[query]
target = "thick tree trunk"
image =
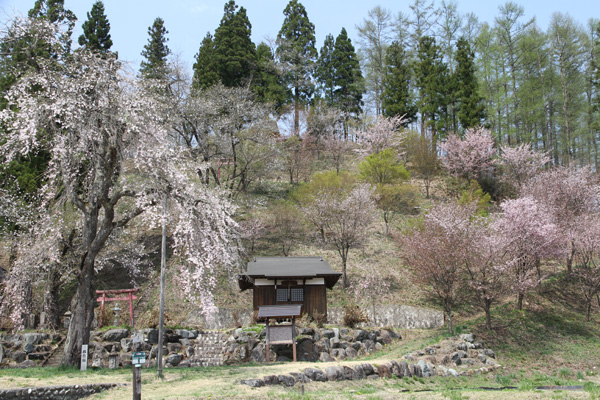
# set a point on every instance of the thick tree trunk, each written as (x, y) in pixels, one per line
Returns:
(82, 313)
(488, 316)
(449, 315)
(520, 297)
(51, 295)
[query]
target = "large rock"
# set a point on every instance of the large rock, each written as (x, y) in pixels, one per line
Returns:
(33, 338)
(360, 372)
(315, 374)
(174, 359)
(186, 334)
(367, 368)
(325, 357)
(467, 337)
(258, 354)
(19, 356)
(489, 353)
(306, 350)
(115, 335)
(152, 336)
(334, 373)
(287, 380)
(350, 374)
(300, 377)
(426, 368)
(360, 335)
(385, 370)
(328, 333)
(253, 382)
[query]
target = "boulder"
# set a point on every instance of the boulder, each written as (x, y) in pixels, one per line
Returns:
(334, 373)
(360, 335)
(489, 353)
(126, 344)
(253, 382)
(351, 353)
(115, 335)
(350, 374)
(325, 357)
(27, 364)
(369, 345)
(385, 370)
(360, 372)
(462, 346)
(299, 377)
(152, 336)
(328, 333)
(334, 343)
(186, 334)
(174, 359)
(287, 380)
(33, 337)
(367, 369)
(258, 354)
(306, 350)
(338, 354)
(467, 337)
(315, 374)
(307, 331)
(29, 348)
(174, 347)
(19, 356)
(404, 369)
(271, 380)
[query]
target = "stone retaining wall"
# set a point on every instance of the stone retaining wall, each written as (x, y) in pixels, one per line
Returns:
(396, 316)
(72, 392)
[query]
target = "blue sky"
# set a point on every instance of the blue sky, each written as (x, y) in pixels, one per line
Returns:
(188, 20)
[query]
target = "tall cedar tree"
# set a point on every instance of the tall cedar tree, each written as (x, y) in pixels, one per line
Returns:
(471, 111)
(156, 51)
(96, 36)
(325, 72)
(348, 78)
(296, 51)
(234, 52)
(267, 82)
(431, 74)
(396, 98)
(205, 74)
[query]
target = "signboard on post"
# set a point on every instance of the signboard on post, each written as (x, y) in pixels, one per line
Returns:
(84, 357)
(138, 358)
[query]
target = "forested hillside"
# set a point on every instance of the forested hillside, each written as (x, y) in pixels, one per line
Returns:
(437, 161)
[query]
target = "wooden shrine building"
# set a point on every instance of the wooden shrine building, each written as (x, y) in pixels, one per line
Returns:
(290, 280)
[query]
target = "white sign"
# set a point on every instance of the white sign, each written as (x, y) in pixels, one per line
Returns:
(84, 357)
(138, 338)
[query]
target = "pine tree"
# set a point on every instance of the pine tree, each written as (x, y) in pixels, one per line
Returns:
(471, 110)
(396, 98)
(296, 51)
(234, 54)
(96, 36)
(432, 78)
(324, 72)
(205, 71)
(267, 81)
(348, 78)
(156, 51)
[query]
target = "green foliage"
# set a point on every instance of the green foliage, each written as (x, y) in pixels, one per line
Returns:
(396, 98)
(328, 182)
(347, 78)
(471, 109)
(383, 168)
(155, 51)
(296, 51)
(474, 193)
(205, 72)
(267, 83)
(234, 53)
(96, 36)
(325, 71)
(432, 84)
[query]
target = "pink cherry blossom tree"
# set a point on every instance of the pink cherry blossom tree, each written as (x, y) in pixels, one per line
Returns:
(437, 252)
(527, 232)
(383, 134)
(586, 272)
(567, 193)
(520, 163)
(112, 161)
(469, 157)
(342, 218)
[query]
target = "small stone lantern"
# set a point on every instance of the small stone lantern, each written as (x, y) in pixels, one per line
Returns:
(116, 310)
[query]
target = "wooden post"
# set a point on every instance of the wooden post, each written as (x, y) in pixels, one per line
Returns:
(267, 341)
(137, 383)
(294, 337)
(163, 267)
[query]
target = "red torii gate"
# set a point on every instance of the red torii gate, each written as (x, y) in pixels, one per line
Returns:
(130, 296)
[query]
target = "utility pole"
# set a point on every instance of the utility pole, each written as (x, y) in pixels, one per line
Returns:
(163, 267)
